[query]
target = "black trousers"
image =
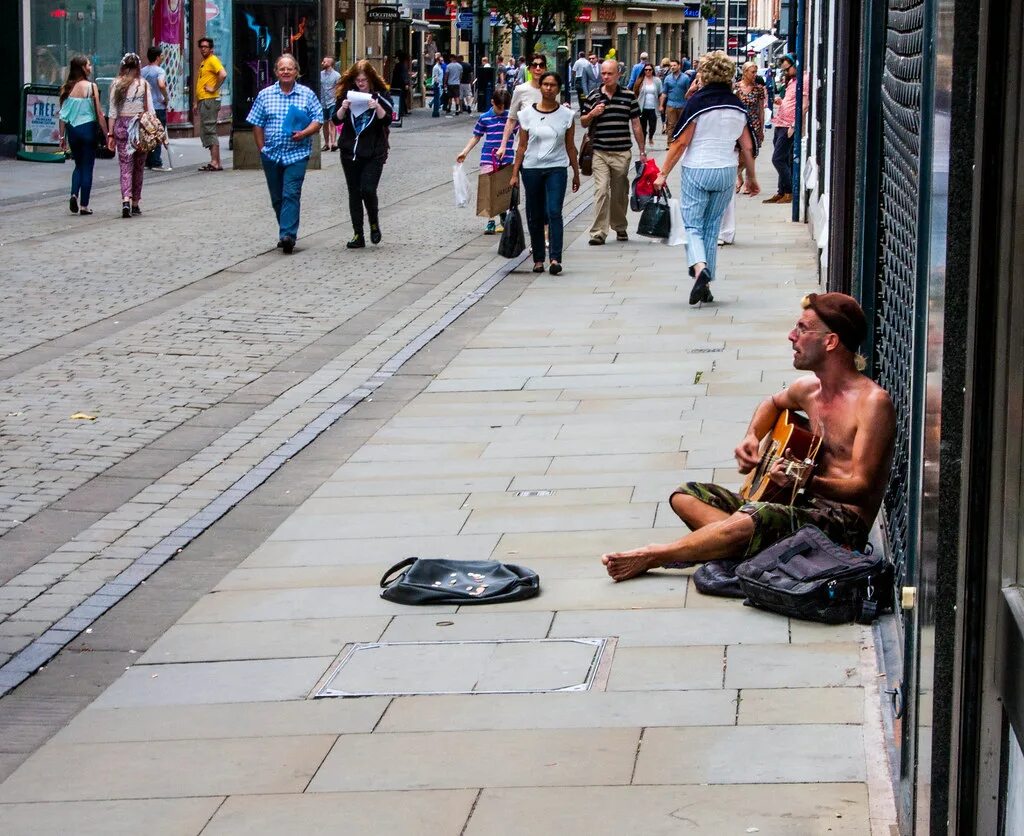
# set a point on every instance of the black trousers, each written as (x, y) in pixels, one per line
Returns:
(649, 123)
(362, 177)
(782, 159)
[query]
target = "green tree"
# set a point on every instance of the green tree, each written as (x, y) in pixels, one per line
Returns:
(538, 17)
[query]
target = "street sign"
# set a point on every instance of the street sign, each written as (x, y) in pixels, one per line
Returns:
(382, 14)
(464, 20)
(734, 42)
(585, 16)
(689, 12)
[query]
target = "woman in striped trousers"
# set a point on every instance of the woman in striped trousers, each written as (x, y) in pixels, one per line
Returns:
(712, 136)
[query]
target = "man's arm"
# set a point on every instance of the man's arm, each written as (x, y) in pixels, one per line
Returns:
(872, 454)
(748, 453)
(638, 134)
(257, 135)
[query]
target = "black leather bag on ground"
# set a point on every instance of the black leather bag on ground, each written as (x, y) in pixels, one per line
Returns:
(656, 219)
(718, 577)
(440, 581)
(808, 576)
(513, 239)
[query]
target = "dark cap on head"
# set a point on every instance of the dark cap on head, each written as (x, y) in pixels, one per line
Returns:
(842, 314)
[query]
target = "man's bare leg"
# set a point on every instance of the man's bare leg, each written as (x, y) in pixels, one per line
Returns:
(694, 513)
(714, 541)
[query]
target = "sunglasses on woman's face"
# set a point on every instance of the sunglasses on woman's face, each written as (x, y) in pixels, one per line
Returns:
(537, 64)
(649, 70)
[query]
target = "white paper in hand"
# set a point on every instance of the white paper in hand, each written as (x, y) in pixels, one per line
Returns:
(358, 102)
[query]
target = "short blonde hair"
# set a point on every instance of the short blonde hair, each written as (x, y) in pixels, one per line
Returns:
(717, 67)
(748, 65)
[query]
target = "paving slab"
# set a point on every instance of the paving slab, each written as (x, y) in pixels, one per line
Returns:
(779, 810)
(468, 625)
(751, 755)
(666, 627)
(214, 682)
(262, 639)
(792, 666)
(369, 550)
(426, 813)
(784, 706)
(154, 817)
(667, 669)
(453, 760)
(167, 769)
(590, 709)
(286, 718)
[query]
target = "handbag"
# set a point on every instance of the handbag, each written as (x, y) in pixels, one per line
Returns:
(102, 151)
(586, 154)
(656, 219)
(513, 238)
(808, 576)
(427, 581)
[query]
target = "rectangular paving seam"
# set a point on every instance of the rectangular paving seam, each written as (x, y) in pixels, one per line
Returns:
(38, 653)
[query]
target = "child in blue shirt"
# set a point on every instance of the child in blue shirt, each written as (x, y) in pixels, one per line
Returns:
(490, 127)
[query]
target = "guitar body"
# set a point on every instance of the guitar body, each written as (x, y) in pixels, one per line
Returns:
(791, 433)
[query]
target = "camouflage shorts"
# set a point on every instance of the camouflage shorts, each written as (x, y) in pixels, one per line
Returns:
(774, 521)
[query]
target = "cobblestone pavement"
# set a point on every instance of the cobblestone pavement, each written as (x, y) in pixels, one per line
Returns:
(144, 380)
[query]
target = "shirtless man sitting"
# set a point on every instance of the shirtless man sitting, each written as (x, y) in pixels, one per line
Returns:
(842, 494)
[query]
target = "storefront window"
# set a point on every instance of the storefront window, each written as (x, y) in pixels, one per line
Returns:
(62, 29)
(170, 23)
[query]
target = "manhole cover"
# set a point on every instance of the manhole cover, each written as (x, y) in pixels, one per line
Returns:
(515, 666)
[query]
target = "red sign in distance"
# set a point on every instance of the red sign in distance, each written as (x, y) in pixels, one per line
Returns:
(585, 15)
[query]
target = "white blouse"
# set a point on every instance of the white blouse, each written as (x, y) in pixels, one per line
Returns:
(546, 148)
(714, 139)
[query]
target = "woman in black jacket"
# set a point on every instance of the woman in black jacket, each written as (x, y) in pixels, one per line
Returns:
(365, 128)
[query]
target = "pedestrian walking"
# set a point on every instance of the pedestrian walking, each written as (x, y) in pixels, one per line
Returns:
(400, 82)
(714, 124)
(81, 124)
(211, 76)
(638, 69)
(525, 95)
(673, 96)
(546, 148)
(453, 79)
(490, 128)
(612, 114)
(466, 85)
(156, 78)
(648, 95)
(284, 118)
(784, 120)
(484, 84)
(129, 99)
(365, 129)
(752, 96)
(437, 84)
(580, 72)
(329, 78)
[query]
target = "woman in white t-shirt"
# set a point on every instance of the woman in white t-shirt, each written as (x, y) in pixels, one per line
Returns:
(648, 95)
(712, 136)
(546, 147)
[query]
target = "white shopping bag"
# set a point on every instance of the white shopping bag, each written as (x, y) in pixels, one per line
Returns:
(461, 183)
(677, 233)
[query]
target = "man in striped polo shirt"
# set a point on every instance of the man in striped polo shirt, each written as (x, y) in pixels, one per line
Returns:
(611, 112)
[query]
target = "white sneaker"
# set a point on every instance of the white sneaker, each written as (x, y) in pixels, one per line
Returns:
(163, 168)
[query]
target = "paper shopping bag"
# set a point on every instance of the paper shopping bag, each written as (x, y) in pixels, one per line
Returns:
(493, 192)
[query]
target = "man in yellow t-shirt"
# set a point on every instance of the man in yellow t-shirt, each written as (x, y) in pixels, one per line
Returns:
(211, 77)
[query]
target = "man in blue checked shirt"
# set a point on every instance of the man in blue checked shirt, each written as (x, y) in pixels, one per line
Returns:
(284, 117)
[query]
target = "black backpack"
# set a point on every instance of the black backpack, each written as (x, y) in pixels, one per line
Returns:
(460, 582)
(808, 576)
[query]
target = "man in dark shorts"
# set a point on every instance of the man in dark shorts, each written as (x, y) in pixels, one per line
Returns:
(842, 494)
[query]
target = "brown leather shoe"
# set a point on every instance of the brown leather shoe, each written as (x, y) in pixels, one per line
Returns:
(786, 198)
(773, 199)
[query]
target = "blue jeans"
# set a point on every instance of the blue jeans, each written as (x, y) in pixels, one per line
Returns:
(545, 193)
(706, 195)
(82, 142)
(285, 185)
(154, 160)
(436, 104)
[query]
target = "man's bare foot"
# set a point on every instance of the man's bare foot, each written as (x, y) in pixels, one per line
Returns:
(622, 566)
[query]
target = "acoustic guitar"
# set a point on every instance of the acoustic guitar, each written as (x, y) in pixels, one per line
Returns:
(790, 439)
